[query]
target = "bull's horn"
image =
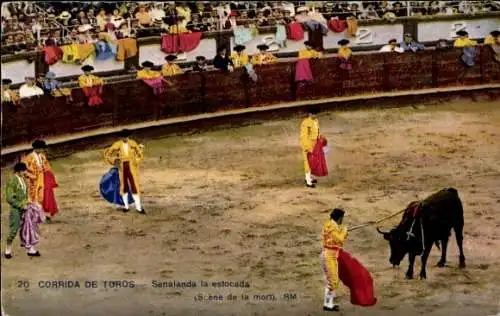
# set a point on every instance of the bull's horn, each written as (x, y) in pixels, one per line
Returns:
(381, 232)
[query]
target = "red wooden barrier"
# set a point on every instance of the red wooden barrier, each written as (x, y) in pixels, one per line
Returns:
(195, 93)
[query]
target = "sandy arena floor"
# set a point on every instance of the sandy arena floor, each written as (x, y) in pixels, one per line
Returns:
(230, 204)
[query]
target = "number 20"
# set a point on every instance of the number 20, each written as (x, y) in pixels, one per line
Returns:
(23, 284)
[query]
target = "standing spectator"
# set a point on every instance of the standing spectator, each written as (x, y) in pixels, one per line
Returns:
(392, 46)
(463, 40)
(170, 68)
(53, 87)
(7, 94)
(263, 57)
(239, 57)
(409, 44)
(493, 38)
(29, 89)
(222, 61)
(201, 64)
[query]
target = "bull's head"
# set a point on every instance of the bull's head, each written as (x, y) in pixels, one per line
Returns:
(398, 243)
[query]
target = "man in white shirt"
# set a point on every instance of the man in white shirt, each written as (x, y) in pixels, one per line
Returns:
(157, 13)
(29, 89)
(392, 46)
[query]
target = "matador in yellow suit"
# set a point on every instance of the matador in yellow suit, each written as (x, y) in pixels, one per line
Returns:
(333, 237)
(36, 163)
(309, 133)
(128, 154)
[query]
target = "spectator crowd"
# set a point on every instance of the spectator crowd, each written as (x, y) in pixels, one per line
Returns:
(32, 25)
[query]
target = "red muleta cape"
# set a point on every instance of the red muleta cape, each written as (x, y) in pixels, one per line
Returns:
(359, 281)
(317, 159)
(49, 199)
(94, 94)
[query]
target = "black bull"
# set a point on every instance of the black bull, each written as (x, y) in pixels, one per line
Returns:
(431, 223)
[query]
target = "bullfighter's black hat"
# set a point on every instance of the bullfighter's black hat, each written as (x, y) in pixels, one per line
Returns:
(39, 144)
(336, 214)
(20, 166)
(262, 47)
(308, 43)
(393, 40)
(343, 42)
(125, 133)
(6, 81)
(462, 33)
(239, 48)
(313, 110)
(87, 68)
(495, 33)
(147, 64)
(200, 58)
(170, 58)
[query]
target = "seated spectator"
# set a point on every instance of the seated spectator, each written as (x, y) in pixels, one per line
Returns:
(222, 61)
(392, 46)
(123, 32)
(201, 64)
(493, 38)
(157, 12)
(196, 24)
(8, 95)
(263, 57)
(117, 19)
(170, 68)
(53, 87)
(101, 19)
(179, 27)
(309, 52)
(238, 57)
(463, 40)
(29, 89)
(409, 44)
(143, 16)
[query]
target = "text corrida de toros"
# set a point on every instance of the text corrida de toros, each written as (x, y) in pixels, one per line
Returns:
(190, 283)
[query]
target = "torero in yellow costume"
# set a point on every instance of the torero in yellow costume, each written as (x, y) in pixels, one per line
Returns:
(36, 163)
(309, 133)
(333, 237)
(128, 154)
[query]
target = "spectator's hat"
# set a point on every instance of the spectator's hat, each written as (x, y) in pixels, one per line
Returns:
(147, 64)
(50, 75)
(20, 166)
(239, 48)
(84, 28)
(393, 40)
(462, 33)
(125, 133)
(6, 81)
(343, 42)
(495, 33)
(313, 110)
(262, 47)
(200, 58)
(87, 68)
(65, 15)
(302, 9)
(39, 144)
(170, 58)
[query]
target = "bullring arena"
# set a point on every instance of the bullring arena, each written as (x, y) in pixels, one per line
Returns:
(229, 204)
(409, 105)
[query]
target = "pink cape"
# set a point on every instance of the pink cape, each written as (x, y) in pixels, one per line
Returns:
(32, 217)
(355, 276)
(303, 70)
(176, 43)
(94, 94)
(49, 199)
(156, 84)
(317, 159)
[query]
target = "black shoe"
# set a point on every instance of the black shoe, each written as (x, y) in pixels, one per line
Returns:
(310, 185)
(36, 254)
(335, 308)
(143, 212)
(125, 210)
(314, 181)
(7, 255)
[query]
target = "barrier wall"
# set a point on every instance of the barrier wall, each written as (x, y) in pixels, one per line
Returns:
(195, 93)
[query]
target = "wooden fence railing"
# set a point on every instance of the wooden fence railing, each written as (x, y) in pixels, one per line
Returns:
(195, 93)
